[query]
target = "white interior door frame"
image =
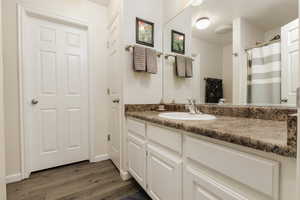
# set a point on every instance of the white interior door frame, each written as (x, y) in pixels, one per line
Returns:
(298, 124)
(2, 136)
(39, 13)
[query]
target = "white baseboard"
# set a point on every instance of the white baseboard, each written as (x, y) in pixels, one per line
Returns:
(13, 178)
(100, 158)
(125, 175)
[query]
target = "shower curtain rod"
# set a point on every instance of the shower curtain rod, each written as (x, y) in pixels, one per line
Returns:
(263, 44)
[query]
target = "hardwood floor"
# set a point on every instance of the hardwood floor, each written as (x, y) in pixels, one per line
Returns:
(81, 181)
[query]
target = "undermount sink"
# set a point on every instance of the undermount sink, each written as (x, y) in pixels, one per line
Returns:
(186, 116)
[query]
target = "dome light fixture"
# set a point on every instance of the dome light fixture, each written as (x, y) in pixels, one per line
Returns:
(196, 2)
(203, 23)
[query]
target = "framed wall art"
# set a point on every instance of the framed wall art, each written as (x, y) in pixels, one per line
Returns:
(178, 42)
(144, 32)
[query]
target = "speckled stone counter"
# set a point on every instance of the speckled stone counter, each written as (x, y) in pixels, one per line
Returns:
(277, 113)
(276, 136)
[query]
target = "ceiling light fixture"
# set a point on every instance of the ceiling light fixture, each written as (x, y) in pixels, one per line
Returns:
(202, 23)
(196, 2)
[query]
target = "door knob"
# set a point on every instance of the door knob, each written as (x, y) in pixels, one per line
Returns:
(34, 101)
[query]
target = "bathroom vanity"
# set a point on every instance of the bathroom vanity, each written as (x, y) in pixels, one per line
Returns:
(245, 153)
(232, 152)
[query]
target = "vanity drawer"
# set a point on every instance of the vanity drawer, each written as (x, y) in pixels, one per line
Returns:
(165, 137)
(136, 127)
(257, 173)
(199, 186)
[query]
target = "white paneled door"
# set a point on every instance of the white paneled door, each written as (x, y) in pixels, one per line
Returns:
(55, 75)
(290, 61)
(114, 83)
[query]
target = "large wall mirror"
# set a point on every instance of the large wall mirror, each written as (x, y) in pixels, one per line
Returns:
(241, 52)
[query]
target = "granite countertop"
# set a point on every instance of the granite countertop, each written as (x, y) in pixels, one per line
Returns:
(265, 135)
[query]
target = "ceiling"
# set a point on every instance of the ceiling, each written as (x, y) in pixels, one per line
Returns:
(101, 2)
(265, 14)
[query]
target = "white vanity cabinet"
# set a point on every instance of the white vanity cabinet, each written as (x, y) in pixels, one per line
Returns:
(198, 186)
(137, 160)
(164, 163)
(154, 160)
(164, 174)
(257, 173)
(136, 144)
(172, 165)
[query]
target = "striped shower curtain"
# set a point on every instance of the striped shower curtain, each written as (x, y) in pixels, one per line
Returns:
(264, 74)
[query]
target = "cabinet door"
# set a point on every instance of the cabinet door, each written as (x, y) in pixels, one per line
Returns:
(164, 175)
(137, 160)
(198, 186)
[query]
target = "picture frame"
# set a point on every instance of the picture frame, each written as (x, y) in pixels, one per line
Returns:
(144, 32)
(178, 42)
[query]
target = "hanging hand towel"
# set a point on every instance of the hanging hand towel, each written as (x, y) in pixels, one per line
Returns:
(139, 59)
(151, 61)
(180, 64)
(189, 68)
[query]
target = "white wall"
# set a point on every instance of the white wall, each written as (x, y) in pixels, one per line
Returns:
(114, 8)
(179, 89)
(139, 87)
(173, 7)
(182, 23)
(211, 57)
(84, 10)
(227, 73)
(2, 139)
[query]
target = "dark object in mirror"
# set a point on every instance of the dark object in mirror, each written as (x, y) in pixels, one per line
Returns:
(214, 90)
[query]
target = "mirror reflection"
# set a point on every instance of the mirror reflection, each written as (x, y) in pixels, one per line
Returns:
(233, 52)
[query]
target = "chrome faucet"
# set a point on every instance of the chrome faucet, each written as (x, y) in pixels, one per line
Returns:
(191, 106)
(222, 101)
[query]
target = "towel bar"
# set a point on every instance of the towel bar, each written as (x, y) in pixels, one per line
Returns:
(129, 47)
(174, 56)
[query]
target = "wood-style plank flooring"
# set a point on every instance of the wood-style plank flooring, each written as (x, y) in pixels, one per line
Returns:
(81, 181)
